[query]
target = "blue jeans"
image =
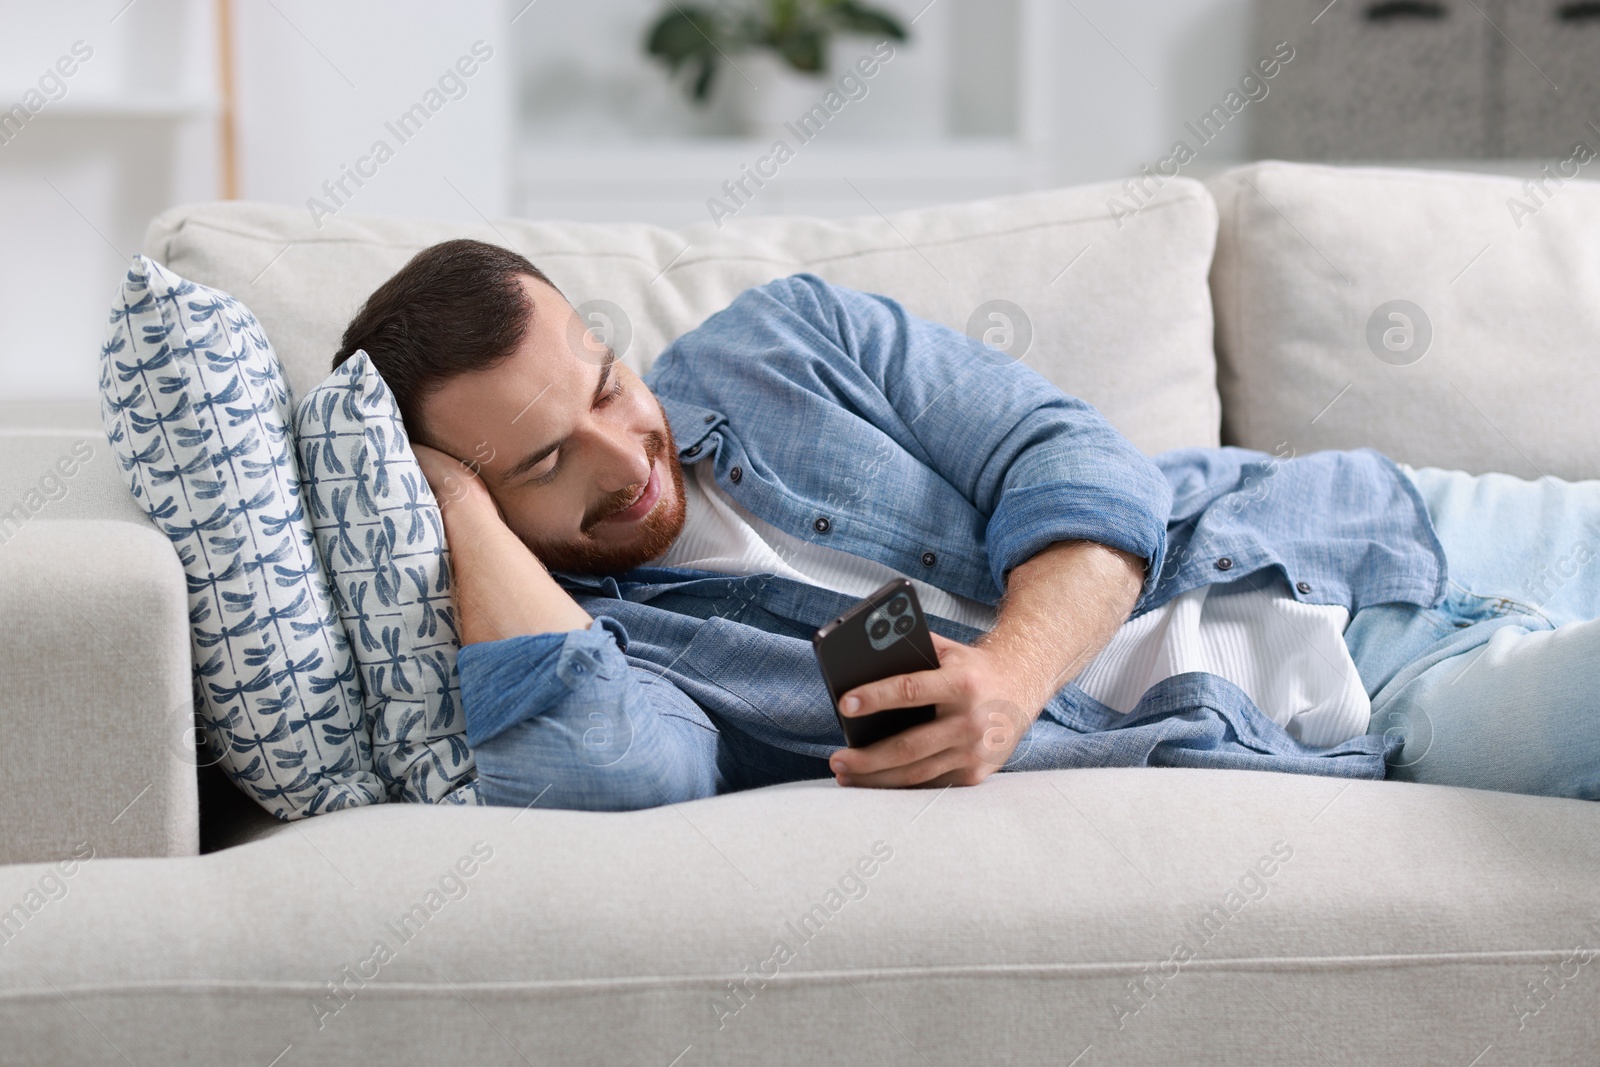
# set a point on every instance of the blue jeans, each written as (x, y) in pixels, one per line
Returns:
(1499, 686)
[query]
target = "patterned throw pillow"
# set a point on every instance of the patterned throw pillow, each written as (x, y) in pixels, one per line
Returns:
(382, 539)
(196, 410)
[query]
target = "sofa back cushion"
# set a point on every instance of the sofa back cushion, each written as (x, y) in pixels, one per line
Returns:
(1447, 320)
(1110, 305)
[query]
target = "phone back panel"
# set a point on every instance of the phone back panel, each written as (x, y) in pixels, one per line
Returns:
(849, 657)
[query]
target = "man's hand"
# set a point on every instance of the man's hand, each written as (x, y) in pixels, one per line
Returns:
(452, 481)
(500, 588)
(982, 711)
(1061, 608)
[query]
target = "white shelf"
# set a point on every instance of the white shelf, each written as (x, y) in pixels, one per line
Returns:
(154, 106)
(670, 182)
(683, 158)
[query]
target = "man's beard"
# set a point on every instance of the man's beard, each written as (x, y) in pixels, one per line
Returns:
(653, 534)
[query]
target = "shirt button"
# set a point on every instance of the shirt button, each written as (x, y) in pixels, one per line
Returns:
(735, 474)
(929, 559)
(1304, 587)
(822, 525)
(1224, 563)
(692, 450)
(711, 418)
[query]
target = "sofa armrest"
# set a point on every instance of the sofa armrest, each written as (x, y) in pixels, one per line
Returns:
(95, 714)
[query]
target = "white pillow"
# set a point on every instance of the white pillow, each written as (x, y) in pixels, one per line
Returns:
(382, 539)
(1447, 320)
(196, 411)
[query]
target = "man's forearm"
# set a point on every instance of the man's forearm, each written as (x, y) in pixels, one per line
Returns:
(501, 588)
(1061, 608)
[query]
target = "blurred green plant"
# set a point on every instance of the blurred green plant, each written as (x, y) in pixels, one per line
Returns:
(699, 37)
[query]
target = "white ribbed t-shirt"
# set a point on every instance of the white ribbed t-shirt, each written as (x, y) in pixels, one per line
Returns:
(1289, 658)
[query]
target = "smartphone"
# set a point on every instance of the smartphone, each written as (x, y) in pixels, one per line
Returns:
(884, 635)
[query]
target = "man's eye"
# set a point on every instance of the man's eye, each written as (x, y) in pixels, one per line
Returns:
(548, 475)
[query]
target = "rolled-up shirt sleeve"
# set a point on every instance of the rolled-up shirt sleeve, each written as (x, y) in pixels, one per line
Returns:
(564, 720)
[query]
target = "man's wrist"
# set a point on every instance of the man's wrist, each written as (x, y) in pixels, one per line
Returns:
(476, 522)
(469, 506)
(1029, 669)
(1041, 644)
(501, 588)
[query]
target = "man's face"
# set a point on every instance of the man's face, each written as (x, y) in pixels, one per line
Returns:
(570, 442)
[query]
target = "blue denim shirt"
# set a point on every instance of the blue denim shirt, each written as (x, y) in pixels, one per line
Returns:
(841, 419)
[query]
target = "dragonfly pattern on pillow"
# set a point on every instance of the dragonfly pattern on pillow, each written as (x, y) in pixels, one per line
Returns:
(197, 413)
(382, 539)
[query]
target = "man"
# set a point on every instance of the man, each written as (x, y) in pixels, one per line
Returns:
(635, 633)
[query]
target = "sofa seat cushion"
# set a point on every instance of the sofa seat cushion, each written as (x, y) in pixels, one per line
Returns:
(1111, 308)
(1169, 915)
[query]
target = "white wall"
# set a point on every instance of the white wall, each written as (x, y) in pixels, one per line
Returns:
(85, 175)
(318, 81)
(78, 181)
(1130, 74)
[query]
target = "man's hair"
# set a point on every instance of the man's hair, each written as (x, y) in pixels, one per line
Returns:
(455, 308)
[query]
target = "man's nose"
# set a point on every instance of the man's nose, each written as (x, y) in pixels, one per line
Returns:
(627, 464)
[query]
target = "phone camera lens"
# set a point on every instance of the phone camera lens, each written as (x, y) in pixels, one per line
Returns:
(899, 606)
(903, 624)
(880, 628)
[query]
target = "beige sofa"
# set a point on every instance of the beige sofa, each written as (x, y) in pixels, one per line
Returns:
(150, 914)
